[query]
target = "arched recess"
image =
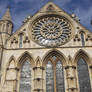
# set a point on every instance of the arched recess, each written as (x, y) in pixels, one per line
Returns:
(82, 35)
(11, 75)
(11, 66)
(54, 52)
(21, 38)
(26, 55)
(54, 62)
(82, 54)
(25, 66)
(82, 60)
(12, 60)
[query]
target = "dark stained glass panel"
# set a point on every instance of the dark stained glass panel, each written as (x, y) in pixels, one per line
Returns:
(25, 80)
(49, 78)
(59, 77)
(82, 39)
(83, 74)
(20, 40)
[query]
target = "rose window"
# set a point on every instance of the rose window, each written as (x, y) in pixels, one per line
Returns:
(51, 31)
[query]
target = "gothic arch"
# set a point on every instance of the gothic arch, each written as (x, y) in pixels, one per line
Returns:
(10, 74)
(55, 52)
(25, 56)
(54, 62)
(82, 54)
(82, 30)
(10, 60)
(82, 60)
(25, 64)
(38, 61)
(21, 33)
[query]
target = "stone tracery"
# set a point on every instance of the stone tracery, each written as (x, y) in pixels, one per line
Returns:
(51, 30)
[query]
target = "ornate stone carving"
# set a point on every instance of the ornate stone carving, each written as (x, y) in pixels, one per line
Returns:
(51, 30)
(50, 8)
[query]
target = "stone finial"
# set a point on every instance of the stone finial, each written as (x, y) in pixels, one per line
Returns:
(75, 17)
(70, 60)
(38, 61)
(50, 8)
(7, 15)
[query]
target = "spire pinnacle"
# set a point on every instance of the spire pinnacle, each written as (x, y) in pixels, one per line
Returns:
(7, 15)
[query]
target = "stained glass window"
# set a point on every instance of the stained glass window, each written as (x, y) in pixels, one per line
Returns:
(82, 39)
(25, 78)
(51, 30)
(83, 74)
(59, 77)
(54, 76)
(20, 40)
(49, 78)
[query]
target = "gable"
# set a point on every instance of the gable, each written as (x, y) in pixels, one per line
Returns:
(50, 7)
(38, 38)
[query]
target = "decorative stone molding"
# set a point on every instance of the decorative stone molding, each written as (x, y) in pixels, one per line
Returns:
(77, 38)
(38, 78)
(26, 40)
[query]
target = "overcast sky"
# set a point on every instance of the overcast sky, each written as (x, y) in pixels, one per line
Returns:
(23, 8)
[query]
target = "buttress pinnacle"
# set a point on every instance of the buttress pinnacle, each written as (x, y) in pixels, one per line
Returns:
(7, 15)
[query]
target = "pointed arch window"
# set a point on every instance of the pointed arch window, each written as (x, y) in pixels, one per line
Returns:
(49, 78)
(25, 77)
(83, 74)
(59, 77)
(82, 38)
(54, 75)
(20, 40)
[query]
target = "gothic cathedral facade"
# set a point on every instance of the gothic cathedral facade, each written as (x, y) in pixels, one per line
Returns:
(50, 52)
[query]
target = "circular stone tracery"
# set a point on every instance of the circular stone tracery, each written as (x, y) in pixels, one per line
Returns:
(51, 31)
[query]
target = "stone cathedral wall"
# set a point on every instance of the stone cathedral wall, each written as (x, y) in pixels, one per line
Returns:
(47, 43)
(13, 60)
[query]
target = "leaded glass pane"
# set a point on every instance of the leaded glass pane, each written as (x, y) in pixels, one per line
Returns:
(82, 38)
(83, 74)
(49, 78)
(25, 80)
(54, 58)
(59, 77)
(20, 41)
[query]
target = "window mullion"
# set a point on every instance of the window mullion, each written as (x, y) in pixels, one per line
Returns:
(54, 67)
